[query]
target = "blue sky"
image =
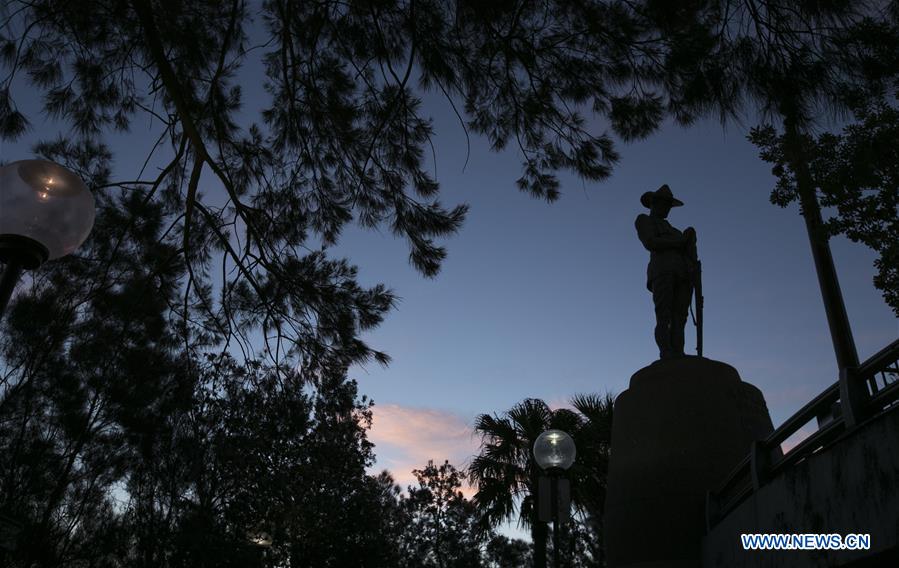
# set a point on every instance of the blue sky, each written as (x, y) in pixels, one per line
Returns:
(540, 300)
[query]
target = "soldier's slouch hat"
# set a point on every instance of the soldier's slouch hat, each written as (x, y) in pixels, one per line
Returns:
(663, 193)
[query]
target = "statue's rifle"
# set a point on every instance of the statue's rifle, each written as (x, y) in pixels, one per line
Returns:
(696, 277)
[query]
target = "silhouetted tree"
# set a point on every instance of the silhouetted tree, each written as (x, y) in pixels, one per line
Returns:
(262, 454)
(441, 527)
(91, 362)
(593, 440)
(128, 441)
(506, 475)
(342, 135)
(857, 173)
(580, 544)
(504, 552)
(799, 62)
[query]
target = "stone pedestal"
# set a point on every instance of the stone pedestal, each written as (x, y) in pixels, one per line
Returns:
(678, 431)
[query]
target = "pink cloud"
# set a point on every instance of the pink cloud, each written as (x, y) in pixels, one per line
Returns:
(406, 438)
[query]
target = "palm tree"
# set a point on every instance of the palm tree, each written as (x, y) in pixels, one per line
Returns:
(506, 475)
(588, 473)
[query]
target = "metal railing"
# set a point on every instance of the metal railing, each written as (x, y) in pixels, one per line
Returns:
(879, 377)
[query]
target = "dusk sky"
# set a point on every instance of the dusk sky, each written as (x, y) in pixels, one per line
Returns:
(540, 300)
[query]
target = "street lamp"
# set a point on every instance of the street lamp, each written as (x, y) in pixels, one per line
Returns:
(46, 212)
(554, 452)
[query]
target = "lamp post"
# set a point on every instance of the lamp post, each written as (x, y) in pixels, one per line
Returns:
(554, 452)
(46, 212)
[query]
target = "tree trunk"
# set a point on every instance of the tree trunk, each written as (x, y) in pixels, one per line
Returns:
(837, 319)
(852, 392)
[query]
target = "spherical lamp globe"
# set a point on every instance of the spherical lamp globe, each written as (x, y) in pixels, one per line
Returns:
(46, 212)
(554, 449)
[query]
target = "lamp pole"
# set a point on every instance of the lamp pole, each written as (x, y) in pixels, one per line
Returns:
(554, 474)
(11, 275)
(554, 451)
(18, 253)
(46, 212)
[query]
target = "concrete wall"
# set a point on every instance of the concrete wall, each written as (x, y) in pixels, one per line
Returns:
(850, 487)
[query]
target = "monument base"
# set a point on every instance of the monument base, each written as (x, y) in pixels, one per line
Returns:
(677, 432)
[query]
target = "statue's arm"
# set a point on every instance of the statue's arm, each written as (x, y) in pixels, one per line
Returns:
(652, 241)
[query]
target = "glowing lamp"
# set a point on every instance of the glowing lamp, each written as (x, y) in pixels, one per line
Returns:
(46, 212)
(554, 449)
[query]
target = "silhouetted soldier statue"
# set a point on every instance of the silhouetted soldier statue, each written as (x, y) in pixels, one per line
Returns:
(668, 276)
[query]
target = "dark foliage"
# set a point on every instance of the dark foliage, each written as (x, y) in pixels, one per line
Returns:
(342, 136)
(856, 173)
(131, 442)
(440, 529)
